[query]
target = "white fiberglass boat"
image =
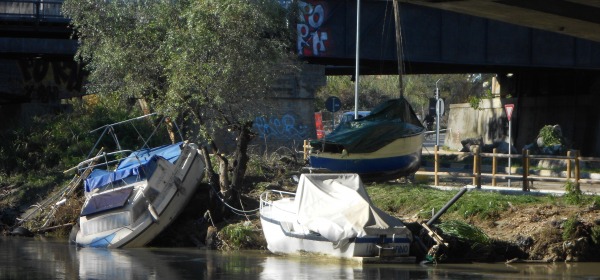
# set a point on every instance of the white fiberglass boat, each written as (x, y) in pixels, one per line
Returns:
(332, 215)
(132, 204)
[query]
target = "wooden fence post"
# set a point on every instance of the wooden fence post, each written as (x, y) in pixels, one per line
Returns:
(478, 167)
(436, 158)
(525, 170)
(569, 169)
(494, 166)
(577, 171)
(474, 166)
(305, 149)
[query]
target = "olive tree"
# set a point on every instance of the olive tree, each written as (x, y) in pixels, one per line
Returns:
(210, 62)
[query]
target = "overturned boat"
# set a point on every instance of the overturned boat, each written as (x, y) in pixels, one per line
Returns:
(130, 205)
(384, 145)
(331, 215)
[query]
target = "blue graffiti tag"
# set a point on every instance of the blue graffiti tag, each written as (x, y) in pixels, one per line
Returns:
(285, 127)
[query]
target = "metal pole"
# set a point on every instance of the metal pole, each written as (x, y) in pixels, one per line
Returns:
(509, 149)
(448, 204)
(399, 55)
(356, 72)
(437, 113)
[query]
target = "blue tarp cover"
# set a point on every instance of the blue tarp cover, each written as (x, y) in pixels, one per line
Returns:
(133, 165)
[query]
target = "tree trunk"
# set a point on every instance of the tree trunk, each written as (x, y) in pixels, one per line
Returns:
(221, 180)
(241, 156)
(213, 178)
(170, 129)
(224, 177)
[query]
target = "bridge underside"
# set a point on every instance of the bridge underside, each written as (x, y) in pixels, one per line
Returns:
(575, 18)
(436, 40)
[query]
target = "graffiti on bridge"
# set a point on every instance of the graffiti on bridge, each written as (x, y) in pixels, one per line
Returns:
(285, 127)
(313, 38)
(46, 80)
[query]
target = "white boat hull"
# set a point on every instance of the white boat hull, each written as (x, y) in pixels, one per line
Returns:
(286, 236)
(281, 242)
(153, 204)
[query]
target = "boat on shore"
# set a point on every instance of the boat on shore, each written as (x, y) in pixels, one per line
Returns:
(331, 215)
(384, 145)
(130, 205)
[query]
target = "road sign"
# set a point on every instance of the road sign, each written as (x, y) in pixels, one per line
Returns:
(333, 104)
(440, 107)
(509, 110)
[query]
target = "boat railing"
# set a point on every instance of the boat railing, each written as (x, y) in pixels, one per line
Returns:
(267, 198)
(82, 166)
(110, 129)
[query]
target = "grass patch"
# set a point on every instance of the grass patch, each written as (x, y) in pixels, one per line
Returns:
(596, 234)
(464, 231)
(570, 228)
(408, 200)
(239, 235)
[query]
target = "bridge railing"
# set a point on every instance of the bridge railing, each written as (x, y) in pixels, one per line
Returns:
(40, 10)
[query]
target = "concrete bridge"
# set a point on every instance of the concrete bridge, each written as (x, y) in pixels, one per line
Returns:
(36, 53)
(550, 47)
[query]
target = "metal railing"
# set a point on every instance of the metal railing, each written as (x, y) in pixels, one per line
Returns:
(38, 11)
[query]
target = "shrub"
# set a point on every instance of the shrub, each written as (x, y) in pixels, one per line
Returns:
(573, 194)
(464, 231)
(570, 228)
(240, 235)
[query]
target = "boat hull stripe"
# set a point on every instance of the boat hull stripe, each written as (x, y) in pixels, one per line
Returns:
(315, 237)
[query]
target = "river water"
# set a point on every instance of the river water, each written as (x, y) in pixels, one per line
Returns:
(38, 258)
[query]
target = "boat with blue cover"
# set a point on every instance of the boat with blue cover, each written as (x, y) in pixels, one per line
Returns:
(128, 206)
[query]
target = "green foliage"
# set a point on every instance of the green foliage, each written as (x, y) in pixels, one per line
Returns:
(595, 234)
(53, 143)
(570, 228)
(573, 194)
(236, 236)
(475, 100)
(30, 187)
(488, 206)
(550, 136)
(373, 90)
(464, 231)
(421, 200)
(418, 89)
(211, 62)
(595, 202)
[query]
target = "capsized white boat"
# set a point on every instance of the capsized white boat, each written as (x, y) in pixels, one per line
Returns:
(131, 205)
(331, 214)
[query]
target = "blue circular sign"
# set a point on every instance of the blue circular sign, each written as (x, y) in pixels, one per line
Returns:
(333, 104)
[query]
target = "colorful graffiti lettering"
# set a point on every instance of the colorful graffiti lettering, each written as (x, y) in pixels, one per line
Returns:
(285, 127)
(313, 39)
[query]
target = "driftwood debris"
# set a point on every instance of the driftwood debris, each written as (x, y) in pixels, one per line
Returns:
(50, 205)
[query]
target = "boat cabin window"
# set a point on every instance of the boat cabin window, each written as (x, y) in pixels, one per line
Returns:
(106, 201)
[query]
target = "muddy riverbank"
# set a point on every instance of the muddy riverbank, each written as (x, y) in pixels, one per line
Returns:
(519, 227)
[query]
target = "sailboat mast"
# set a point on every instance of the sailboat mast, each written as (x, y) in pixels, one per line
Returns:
(356, 73)
(399, 47)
